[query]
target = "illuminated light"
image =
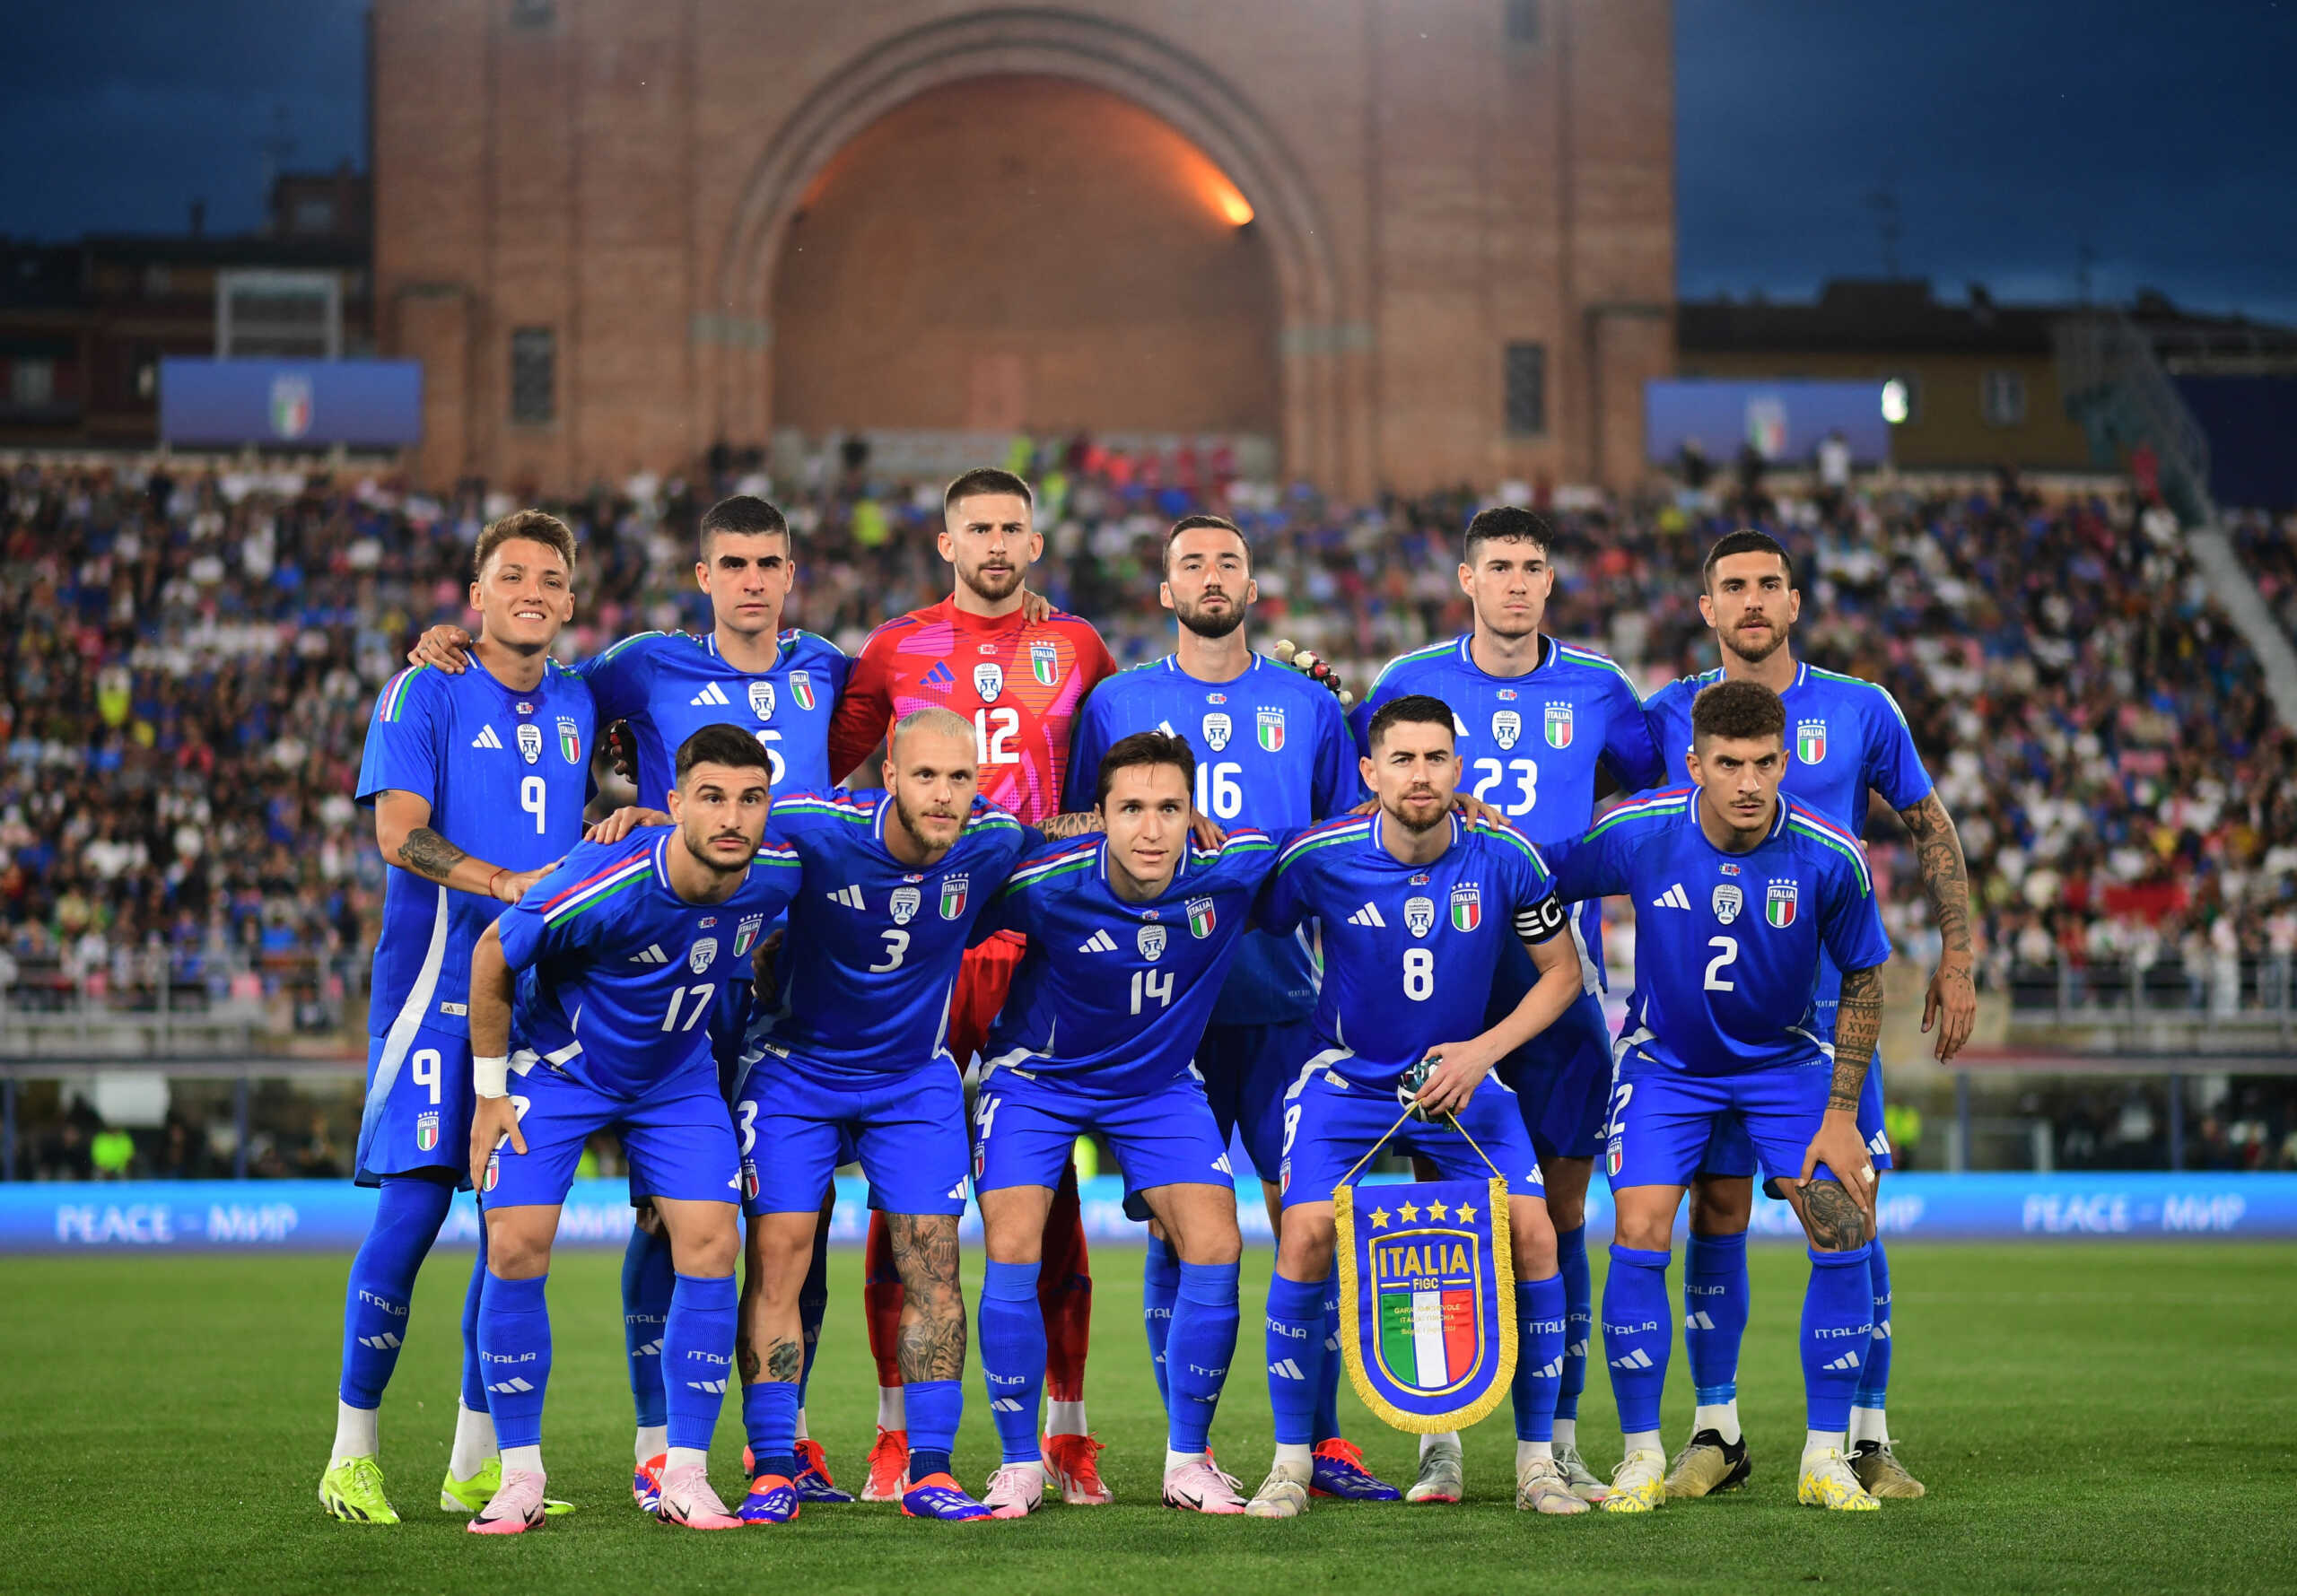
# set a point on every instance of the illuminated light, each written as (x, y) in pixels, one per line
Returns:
(1232, 205)
(1894, 405)
(1223, 198)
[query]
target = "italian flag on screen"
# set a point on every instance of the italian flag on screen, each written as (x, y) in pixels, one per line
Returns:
(1427, 1338)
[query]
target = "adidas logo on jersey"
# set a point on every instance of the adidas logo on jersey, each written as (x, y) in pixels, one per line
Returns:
(850, 895)
(1369, 915)
(1098, 942)
(486, 738)
(653, 955)
(1674, 897)
(711, 693)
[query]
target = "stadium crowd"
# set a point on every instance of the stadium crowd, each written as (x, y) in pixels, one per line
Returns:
(191, 655)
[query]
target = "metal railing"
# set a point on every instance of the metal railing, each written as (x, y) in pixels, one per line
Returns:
(155, 1002)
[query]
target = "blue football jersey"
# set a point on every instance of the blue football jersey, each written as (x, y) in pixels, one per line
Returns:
(870, 954)
(1846, 738)
(1114, 996)
(1727, 946)
(1528, 746)
(622, 980)
(1273, 748)
(670, 684)
(1409, 950)
(506, 776)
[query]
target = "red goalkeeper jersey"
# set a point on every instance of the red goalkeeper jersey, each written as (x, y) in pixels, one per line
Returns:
(1019, 684)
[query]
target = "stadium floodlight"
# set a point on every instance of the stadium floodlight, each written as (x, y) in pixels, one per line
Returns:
(1894, 404)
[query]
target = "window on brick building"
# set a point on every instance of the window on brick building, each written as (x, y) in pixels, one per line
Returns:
(2002, 395)
(1522, 21)
(1524, 369)
(534, 374)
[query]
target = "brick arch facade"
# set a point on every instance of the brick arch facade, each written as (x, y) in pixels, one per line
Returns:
(1124, 59)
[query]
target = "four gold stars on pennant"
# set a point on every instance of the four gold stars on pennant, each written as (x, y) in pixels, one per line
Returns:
(1436, 1210)
(1379, 1218)
(1407, 1212)
(1465, 1213)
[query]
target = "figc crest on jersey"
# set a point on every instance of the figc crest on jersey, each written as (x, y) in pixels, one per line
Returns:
(904, 905)
(1559, 726)
(1778, 905)
(1152, 943)
(762, 699)
(745, 934)
(1271, 729)
(1467, 907)
(529, 741)
(1727, 902)
(1218, 729)
(1811, 741)
(1419, 915)
(1507, 726)
(1044, 663)
(953, 897)
(699, 956)
(1201, 918)
(1428, 1300)
(989, 680)
(801, 688)
(570, 739)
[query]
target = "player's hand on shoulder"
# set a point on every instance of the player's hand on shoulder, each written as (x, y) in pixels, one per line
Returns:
(1035, 605)
(1320, 671)
(510, 886)
(1476, 812)
(1207, 832)
(619, 824)
(442, 647)
(767, 985)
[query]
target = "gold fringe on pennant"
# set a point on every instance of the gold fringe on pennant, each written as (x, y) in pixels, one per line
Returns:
(1352, 1319)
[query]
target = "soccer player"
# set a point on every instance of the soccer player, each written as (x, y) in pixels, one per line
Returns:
(478, 784)
(1018, 680)
(1742, 899)
(1413, 905)
(1849, 739)
(618, 958)
(1536, 716)
(858, 1045)
(1129, 938)
(1276, 747)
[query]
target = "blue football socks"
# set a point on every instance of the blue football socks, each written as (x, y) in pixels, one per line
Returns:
(1012, 1359)
(648, 1278)
(1578, 1317)
(1874, 1379)
(408, 1211)
(1202, 1345)
(1327, 1424)
(770, 1425)
(514, 1342)
(1160, 1285)
(1637, 1335)
(698, 1356)
(1295, 1356)
(1838, 1325)
(1539, 1356)
(1715, 1314)
(934, 1407)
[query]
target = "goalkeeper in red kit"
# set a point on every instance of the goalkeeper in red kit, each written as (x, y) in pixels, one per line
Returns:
(1020, 684)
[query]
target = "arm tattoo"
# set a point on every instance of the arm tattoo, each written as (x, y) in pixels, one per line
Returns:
(1945, 876)
(1072, 823)
(1857, 1023)
(430, 855)
(1832, 1215)
(932, 1343)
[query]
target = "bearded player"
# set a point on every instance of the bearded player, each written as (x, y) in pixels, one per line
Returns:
(1536, 717)
(1846, 739)
(1019, 683)
(1275, 746)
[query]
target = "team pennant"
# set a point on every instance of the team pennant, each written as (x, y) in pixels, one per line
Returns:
(1427, 1300)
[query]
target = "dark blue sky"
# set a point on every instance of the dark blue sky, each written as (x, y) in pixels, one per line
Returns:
(2011, 132)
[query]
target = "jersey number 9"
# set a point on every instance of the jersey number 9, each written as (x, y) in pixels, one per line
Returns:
(531, 793)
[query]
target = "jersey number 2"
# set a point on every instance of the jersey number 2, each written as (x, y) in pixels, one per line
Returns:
(1721, 961)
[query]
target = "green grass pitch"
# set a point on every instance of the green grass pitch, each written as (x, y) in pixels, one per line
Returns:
(2087, 1418)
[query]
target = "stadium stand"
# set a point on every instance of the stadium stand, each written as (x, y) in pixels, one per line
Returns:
(191, 657)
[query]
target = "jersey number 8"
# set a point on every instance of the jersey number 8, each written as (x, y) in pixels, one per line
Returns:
(1418, 973)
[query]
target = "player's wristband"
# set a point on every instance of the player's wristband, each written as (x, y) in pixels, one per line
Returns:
(490, 1076)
